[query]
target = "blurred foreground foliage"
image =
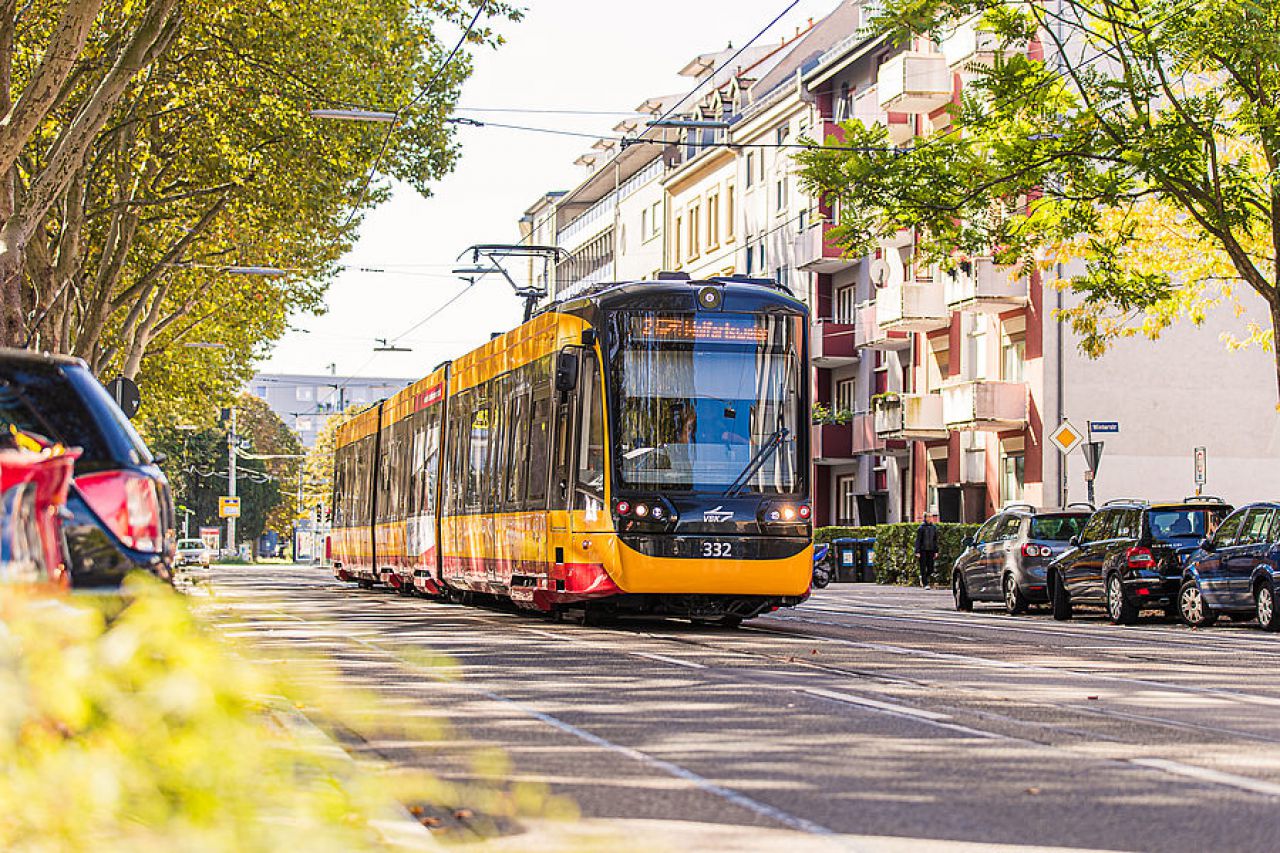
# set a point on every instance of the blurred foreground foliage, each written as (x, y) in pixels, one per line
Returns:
(126, 724)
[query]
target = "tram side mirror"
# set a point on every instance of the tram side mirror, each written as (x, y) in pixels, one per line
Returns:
(966, 542)
(1074, 541)
(1206, 544)
(566, 371)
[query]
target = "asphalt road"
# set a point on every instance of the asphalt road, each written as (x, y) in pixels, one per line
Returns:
(870, 718)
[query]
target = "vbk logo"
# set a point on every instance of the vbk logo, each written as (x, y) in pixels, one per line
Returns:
(717, 515)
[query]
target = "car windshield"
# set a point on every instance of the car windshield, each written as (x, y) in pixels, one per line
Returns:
(702, 400)
(1184, 522)
(187, 544)
(1057, 528)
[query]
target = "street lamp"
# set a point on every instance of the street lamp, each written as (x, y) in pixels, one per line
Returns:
(383, 346)
(377, 116)
(255, 270)
(202, 345)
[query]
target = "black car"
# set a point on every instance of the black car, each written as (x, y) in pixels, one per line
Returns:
(1130, 557)
(120, 511)
(1007, 558)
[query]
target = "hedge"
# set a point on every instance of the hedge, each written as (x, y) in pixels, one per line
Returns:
(896, 546)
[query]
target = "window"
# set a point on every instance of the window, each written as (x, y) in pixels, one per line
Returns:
(1013, 350)
(713, 220)
(261, 391)
(782, 133)
(304, 393)
(780, 202)
(1128, 524)
(986, 533)
(751, 169)
(846, 305)
(480, 421)
(1009, 528)
(644, 224)
(1012, 476)
(730, 212)
(1256, 528)
(694, 213)
(782, 275)
(843, 111)
(847, 495)
(302, 424)
(519, 425)
(978, 347)
(539, 444)
(938, 367)
(1226, 532)
(847, 395)
(590, 476)
(1099, 527)
(678, 249)
(751, 259)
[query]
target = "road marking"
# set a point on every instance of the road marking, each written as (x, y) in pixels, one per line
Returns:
(904, 710)
(664, 659)
(1204, 774)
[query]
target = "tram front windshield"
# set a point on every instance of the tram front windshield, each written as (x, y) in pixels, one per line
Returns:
(702, 399)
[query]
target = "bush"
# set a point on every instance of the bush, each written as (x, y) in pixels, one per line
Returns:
(124, 725)
(896, 552)
(825, 534)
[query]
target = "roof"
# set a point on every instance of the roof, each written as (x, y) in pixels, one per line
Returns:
(35, 356)
(806, 50)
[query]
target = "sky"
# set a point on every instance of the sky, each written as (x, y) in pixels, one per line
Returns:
(565, 54)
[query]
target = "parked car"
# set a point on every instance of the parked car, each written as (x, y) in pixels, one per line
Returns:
(1130, 557)
(193, 552)
(1235, 570)
(119, 509)
(34, 480)
(1007, 558)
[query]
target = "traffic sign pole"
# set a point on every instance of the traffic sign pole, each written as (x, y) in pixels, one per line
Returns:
(232, 438)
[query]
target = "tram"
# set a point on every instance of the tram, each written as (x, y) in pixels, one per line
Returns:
(642, 448)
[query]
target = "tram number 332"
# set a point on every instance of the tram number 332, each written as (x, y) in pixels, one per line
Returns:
(717, 549)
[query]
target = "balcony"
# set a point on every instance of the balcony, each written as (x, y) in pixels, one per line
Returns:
(867, 333)
(984, 286)
(909, 416)
(966, 46)
(832, 344)
(815, 253)
(914, 82)
(835, 444)
(985, 405)
(913, 306)
(866, 109)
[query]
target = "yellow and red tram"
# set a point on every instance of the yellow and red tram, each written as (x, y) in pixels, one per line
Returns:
(638, 449)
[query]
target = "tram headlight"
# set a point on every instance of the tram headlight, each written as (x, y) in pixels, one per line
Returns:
(642, 510)
(785, 517)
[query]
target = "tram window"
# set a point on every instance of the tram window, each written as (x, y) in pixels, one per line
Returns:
(460, 440)
(591, 443)
(479, 426)
(519, 441)
(496, 462)
(539, 441)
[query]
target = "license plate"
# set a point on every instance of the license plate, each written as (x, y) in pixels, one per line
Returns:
(715, 548)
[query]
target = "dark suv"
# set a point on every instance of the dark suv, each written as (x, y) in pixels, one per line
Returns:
(1129, 557)
(1007, 558)
(119, 510)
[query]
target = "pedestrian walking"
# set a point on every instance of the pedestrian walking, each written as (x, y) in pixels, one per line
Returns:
(927, 548)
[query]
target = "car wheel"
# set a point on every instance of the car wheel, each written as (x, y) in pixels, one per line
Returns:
(1265, 599)
(731, 621)
(960, 593)
(1191, 606)
(1014, 601)
(1059, 600)
(1121, 611)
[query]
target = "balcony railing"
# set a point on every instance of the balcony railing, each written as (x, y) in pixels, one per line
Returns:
(913, 306)
(815, 253)
(835, 443)
(967, 47)
(832, 344)
(985, 405)
(914, 82)
(981, 285)
(909, 416)
(867, 333)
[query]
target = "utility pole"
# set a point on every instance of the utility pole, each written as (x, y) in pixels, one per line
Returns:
(232, 439)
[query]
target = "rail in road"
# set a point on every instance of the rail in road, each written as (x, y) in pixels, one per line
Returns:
(869, 718)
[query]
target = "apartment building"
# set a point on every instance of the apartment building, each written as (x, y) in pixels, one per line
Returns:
(938, 388)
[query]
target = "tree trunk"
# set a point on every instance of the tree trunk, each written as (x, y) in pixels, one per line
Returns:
(1274, 304)
(13, 240)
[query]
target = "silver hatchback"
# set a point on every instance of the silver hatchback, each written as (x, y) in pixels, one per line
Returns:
(1006, 559)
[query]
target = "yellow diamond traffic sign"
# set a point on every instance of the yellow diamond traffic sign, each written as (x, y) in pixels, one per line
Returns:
(1066, 437)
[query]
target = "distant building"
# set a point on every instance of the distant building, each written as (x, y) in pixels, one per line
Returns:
(305, 401)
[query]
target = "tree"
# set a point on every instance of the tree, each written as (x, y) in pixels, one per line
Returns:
(268, 436)
(208, 158)
(1141, 136)
(317, 487)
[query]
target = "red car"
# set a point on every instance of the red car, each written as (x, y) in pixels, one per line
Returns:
(33, 498)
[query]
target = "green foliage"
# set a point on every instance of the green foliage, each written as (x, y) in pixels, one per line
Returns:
(1141, 138)
(133, 729)
(826, 534)
(896, 547)
(824, 414)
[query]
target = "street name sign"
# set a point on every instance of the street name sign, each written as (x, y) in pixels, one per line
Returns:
(1202, 466)
(1104, 426)
(228, 507)
(1066, 437)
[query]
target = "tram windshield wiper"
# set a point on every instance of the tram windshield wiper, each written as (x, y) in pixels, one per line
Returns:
(753, 465)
